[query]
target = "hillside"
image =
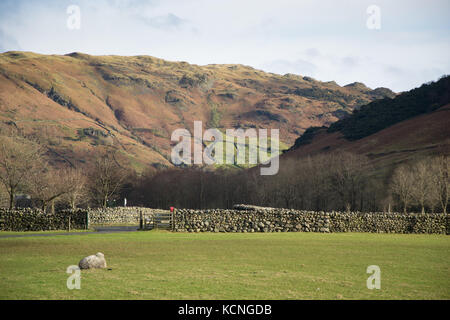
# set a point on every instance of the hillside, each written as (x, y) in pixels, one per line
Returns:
(76, 103)
(388, 131)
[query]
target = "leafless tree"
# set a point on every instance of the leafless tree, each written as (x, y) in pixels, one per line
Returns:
(348, 177)
(422, 185)
(401, 185)
(46, 185)
(75, 186)
(106, 178)
(440, 168)
(18, 158)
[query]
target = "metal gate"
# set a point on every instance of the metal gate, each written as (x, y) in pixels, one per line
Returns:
(159, 220)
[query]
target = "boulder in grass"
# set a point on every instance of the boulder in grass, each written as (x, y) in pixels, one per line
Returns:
(93, 261)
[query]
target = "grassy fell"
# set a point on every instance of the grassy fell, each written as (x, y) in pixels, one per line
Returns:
(163, 265)
(118, 95)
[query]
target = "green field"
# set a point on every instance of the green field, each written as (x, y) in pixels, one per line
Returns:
(163, 265)
(28, 233)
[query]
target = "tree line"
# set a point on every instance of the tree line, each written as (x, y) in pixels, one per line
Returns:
(25, 170)
(324, 182)
(424, 184)
(332, 181)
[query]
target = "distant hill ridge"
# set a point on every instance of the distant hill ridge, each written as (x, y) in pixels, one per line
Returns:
(412, 125)
(77, 102)
(383, 113)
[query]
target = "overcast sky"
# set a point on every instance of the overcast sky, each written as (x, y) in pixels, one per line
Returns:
(324, 39)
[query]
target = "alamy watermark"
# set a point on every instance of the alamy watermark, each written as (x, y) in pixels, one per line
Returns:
(74, 280)
(374, 281)
(239, 147)
(374, 20)
(74, 18)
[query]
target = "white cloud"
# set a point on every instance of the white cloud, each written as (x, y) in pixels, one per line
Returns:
(327, 40)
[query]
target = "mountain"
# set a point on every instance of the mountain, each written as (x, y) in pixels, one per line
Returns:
(388, 131)
(76, 103)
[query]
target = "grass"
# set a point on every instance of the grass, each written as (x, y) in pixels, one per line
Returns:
(163, 265)
(9, 233)
(244, 147)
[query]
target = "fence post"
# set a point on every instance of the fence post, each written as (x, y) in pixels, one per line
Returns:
(172, 212)
(87, 219)
(173, 220)
(141, 221)
(145, 223)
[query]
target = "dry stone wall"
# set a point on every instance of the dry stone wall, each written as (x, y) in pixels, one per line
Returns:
(118, 215)
(37, 220)
(240, 219)
(286, 220)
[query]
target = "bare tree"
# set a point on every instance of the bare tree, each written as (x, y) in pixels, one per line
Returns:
(348, 177)
(18, 157)
(423, 182)
(440, 167)
(106, 178)
(75, 185)
(46, 185)
(401, 185)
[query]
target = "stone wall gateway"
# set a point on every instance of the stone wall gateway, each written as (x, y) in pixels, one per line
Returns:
(285, 220)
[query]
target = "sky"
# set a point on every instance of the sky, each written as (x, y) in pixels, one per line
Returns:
(400, 45)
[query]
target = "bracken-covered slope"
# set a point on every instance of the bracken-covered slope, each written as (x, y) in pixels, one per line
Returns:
(77, 102)
(412, 125)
